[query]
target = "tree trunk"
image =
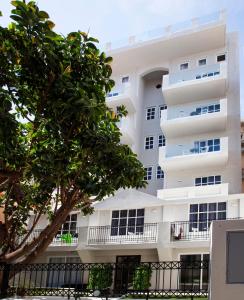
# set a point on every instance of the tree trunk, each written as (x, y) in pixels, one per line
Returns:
(28, 253)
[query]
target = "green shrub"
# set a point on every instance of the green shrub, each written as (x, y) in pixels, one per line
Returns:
(100, 277)
(142, 277)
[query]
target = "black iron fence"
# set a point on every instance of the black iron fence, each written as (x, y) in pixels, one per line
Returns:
(143, 280)
(146, 233)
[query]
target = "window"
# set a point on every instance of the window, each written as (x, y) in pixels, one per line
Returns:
(151, 113)
(202, 214)
(125, 79)
(161, 140)
(149, 142)
(148, 175)
(206, 109)
(69, 227)
(160, 173)
(202, 62)
(210, 180)
(221, 57)
(206, 146)
(184, 66)
(126, 222)
(161, 107)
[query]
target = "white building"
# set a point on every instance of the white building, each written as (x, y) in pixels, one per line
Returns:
(181, 89)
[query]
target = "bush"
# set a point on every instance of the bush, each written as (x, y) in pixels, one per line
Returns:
(142, 277)
(100, 277)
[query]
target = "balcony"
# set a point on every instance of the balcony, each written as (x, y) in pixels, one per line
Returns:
(121, 96)
(127, 129)
(188, 156)
(189, 231)
(206, 82)
(65, 239)
(179, 122)
(104, 235)
(195, 36)
(193, 192)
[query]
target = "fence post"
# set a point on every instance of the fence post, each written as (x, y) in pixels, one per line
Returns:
(5, 280)
(148, 277)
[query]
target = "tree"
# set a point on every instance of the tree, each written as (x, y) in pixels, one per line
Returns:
(59, 143)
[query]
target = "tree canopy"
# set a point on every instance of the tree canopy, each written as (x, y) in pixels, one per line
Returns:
(59, 143)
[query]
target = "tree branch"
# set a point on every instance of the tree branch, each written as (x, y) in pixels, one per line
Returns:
(49, 231)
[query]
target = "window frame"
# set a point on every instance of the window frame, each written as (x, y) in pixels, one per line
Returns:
(218, 55)
(150, 114)
(159, 173)
(200, 221)
(151, 171)
(149, 142)
(163, 140)
(71, 231)
(202, 59)
(125, 228)
(160, 108)
(207, 179)
(214, 144)
(124, 77)
(185, 63)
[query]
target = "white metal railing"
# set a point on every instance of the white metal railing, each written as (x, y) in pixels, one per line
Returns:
(147, 233)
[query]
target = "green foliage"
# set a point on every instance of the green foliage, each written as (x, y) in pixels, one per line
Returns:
(142, 277)
(100, 277)
(57, 136)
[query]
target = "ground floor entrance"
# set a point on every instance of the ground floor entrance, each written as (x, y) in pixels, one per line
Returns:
(125, 267)
(194, 274)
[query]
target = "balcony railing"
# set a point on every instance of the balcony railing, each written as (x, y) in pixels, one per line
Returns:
(190, 231)
(191, 149)
(102, 235)
(64, 239)
(197, 111)
(166, 31)
(187, 231)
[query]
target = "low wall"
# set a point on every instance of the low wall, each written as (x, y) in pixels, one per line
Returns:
(221, 266)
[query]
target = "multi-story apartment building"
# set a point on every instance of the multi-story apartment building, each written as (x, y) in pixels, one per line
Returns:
(181, 89)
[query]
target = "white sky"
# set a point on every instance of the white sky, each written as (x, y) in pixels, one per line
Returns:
(111, 20)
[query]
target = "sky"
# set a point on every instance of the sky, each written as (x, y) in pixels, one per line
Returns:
(112, 20)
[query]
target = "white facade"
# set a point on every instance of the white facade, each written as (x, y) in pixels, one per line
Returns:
(181, 90)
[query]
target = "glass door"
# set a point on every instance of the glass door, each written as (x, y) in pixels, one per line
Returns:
(192, 275)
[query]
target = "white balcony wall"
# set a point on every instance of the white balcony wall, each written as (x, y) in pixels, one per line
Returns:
(185, 156)
(182, 111)
(188, 75)
(190, 149)
(127, 129)
(194, 85)
(194, 192)
(122, 95)
(192, 60)
(180, 121)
